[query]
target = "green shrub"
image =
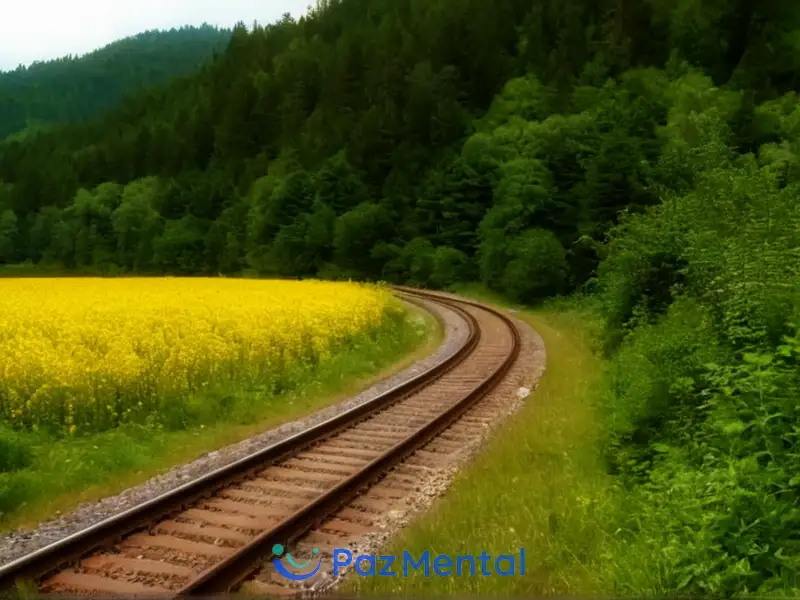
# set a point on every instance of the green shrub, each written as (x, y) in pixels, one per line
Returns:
(16, 451)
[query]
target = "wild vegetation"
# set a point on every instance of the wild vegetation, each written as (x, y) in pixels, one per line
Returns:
(78, 88)
(642, 154)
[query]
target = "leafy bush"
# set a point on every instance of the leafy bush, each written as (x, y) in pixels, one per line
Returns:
(702, 304)
(16, 451)
(537, 266)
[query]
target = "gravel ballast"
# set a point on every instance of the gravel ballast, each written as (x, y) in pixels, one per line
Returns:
(506, 400)
(19, 543)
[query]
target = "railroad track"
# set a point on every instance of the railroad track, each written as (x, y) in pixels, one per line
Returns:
(212, 534)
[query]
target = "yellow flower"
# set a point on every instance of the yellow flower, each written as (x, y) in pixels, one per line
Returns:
(90, 350)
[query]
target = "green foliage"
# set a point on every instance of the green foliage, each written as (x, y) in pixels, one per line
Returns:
(356, 233)
(527, 267)
(75, 88)
(9, 232)
(449, 267)
(536, 268)
(179, 249)
(16, 451)
(371, 102)
(525, 98)
(136, 223)
(701, 298)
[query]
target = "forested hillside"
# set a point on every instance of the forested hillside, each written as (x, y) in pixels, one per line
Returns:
(643, 151)
(77, 88)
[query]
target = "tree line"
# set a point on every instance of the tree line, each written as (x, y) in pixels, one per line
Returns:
(337, 142)
(78, 88)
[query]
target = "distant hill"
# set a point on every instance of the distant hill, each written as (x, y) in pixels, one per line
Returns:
(72, 88)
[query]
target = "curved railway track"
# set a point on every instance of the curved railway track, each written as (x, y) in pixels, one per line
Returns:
(213, 533)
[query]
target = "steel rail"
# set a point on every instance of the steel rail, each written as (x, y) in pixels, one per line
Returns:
(226, 575)
(59, 555)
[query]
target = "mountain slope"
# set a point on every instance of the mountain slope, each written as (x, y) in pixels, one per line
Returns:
(78, 88)
(360, 111)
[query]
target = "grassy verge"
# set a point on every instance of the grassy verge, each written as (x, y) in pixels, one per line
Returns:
(61, 474)
(542, 486)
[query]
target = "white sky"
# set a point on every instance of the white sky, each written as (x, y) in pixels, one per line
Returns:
(32, 30)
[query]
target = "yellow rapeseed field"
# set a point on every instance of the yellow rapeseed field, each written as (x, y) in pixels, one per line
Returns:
(88, 354)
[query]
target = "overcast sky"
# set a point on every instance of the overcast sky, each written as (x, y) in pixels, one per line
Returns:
(33, 30)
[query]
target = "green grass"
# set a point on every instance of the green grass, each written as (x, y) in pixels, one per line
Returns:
(541, 485)
(46, 476)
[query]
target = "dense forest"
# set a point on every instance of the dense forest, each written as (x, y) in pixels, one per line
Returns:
(78, 88)
(644, 154)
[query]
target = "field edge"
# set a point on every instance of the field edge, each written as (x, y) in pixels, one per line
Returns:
(87, 469)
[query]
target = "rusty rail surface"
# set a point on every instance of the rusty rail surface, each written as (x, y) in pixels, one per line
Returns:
(51, 568)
